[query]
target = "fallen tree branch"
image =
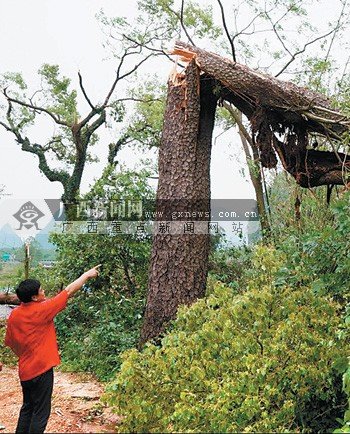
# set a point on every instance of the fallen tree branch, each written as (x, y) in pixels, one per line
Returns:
(8, 298)
(313, 168)
(262, 90)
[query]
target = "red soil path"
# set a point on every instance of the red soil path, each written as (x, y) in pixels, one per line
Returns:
(75, 406)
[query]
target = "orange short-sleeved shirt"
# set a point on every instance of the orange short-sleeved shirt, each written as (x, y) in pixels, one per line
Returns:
(31, 335)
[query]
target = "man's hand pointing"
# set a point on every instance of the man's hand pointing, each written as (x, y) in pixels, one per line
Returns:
(93, 272)
(73, 287)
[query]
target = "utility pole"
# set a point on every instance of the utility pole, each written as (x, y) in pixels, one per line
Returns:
(26, 260)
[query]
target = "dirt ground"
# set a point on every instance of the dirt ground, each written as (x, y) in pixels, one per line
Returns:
(75, 406)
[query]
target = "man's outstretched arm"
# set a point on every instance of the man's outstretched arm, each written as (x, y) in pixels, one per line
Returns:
(73, 287)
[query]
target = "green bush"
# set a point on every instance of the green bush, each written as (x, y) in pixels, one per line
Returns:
(229, 265)
(10, 276)
(317, 247)
(104, 318)
(6, 355)
(346, 377)
(95, 329)
(261, 361)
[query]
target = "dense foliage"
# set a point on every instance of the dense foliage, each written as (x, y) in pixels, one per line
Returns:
(229, 265)
(6, 355)
(267, 349)
(262, 361)
(318, 245)
(105, 317)
(95, 329)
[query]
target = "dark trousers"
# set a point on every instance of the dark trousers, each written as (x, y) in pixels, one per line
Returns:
(36, 407)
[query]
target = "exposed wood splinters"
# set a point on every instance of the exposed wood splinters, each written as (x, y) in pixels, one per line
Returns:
(275, 109)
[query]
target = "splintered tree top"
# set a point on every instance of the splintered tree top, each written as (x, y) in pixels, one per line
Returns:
(277, 109)
(251, 90)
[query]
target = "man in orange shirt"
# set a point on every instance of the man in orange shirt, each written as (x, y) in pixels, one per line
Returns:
(32, 337)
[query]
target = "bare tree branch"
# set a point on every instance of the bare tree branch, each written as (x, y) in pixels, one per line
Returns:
(251, 22)
(145, 45)
(139, 99)
(36, 108)
(297, 53)
(336, 28)
(182, 21)
(223, 18)
(242, 129)
(96, 124)
(180, 17)
(31, 98)
(84, 92)
(82, 123)
(6, 127)
(274, 25)
(126, 74)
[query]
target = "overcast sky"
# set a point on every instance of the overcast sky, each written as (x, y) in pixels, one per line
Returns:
(67, 33)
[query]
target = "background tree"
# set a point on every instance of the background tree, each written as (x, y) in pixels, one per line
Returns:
(106, 317)
(124, 256)
(73, 135)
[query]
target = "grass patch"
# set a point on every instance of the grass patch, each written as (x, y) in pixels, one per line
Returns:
(9, 274)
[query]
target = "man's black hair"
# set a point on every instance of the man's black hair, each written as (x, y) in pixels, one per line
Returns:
(26, 289)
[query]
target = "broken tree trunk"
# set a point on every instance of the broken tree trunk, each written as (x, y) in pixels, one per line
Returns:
(179, 263)
(262, 90)
(278, 108)
(8, 298)
(312, 168)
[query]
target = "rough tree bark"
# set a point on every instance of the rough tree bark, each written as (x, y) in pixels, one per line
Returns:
(312, 168)
(179, 263)
(277, 108)
(262, 90)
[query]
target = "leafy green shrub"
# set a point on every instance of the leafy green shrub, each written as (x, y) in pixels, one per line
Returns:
(254, 362)
(6, 355)
(346, 377)
(95, 329)
(346, 387)
(315, 214)
(11, 275)
(124, 259)
(104, 318)
(317, 248)
(229, 265)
